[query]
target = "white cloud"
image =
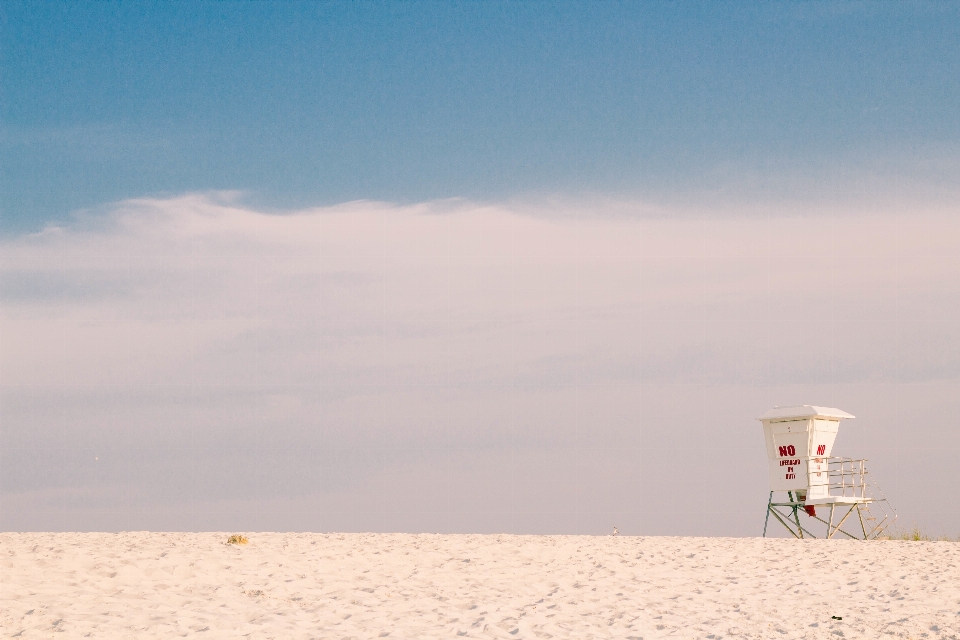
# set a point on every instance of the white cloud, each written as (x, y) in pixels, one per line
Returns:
(203, 334)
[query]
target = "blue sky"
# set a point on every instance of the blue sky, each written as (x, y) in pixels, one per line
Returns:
(317, 103)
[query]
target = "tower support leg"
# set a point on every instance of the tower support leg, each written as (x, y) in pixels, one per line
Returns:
(796, 517)
(767, 520)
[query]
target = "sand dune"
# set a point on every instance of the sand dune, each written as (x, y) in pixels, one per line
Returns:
(305, 585)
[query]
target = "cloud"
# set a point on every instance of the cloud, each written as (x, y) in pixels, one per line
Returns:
(206, 351)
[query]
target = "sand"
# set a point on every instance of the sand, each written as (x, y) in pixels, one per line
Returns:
(304, 585)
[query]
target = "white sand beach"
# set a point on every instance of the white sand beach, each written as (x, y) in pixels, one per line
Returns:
(304, 585)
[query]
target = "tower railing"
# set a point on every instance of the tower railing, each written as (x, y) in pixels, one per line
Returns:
(839, 477)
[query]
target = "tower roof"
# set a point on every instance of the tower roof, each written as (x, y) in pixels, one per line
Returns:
(804, 411)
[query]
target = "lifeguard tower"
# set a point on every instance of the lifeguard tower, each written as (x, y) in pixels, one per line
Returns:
(835, 494)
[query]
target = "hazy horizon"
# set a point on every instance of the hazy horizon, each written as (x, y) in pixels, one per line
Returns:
(192, 363)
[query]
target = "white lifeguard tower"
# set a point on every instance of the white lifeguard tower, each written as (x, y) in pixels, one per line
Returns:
(804, 476)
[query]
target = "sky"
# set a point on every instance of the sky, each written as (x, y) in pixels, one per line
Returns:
(305, 104)
(470, 267)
